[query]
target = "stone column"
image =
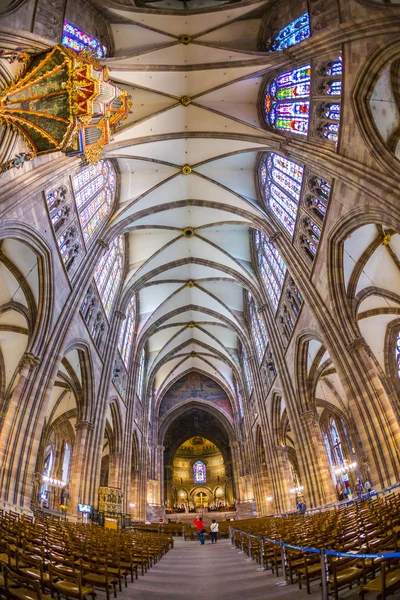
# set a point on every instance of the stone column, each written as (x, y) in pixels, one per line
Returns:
(376, 420)
(15, 419)
(159, 472)
(319, 489)
(80, 459)
(283, 482)
(114, 469)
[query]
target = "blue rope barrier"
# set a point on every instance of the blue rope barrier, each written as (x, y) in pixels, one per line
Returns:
(385, 555)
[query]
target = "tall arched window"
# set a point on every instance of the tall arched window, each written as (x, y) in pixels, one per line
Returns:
(140, 376)
(78, 40)
(287, 101)
(272, 267)
(282, 181)
(294, 33)
(94, 192)
(108, 273)
(199, 472)
(246, 369)
(125, 340)
(258, 330)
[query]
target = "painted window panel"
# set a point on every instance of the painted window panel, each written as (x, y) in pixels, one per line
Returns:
(258, 329)
(292, 116)
(125, 340)
(79, 40)
(272, 267)
(108, 274)
(290, 35)
(94, 192)
(140, 376)
(199, 472)
(247, 373)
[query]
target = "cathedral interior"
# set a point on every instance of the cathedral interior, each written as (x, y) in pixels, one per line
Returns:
(199, 250)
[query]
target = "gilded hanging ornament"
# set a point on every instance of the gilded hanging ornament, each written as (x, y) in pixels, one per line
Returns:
(64, 101)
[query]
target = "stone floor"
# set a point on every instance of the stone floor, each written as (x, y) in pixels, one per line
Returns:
(210, 572)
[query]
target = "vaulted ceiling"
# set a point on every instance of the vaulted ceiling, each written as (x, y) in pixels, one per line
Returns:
(194, 105)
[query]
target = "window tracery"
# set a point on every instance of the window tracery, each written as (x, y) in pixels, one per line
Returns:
(329, 83)
(258, 329)
(94, 192)
(272, 267)
(290, 35)
(246, 369)
(287, 101)
(282, 180)
(140, 375)
(108, 273)
(79, 40)
(199, 472)
(125, 340)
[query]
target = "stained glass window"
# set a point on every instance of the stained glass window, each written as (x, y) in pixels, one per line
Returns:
(125, 340)
(199, 472)
(78, 40)
(108, 273)
(272, 267)
(258, 329)
(94, 192)
(294, 33)
(282, 180)
(398, 353)
(287, 101)
(140, 376)
(246, 369)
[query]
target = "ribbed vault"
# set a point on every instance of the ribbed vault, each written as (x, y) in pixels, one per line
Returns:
(187, 156)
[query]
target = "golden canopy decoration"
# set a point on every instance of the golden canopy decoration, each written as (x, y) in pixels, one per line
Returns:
(63, 101)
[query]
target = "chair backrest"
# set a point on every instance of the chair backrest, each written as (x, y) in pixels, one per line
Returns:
(10, 577)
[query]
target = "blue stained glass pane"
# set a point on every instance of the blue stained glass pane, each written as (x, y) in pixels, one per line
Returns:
(108, 274)
(333, 88)
(294, 33)
(331, 111)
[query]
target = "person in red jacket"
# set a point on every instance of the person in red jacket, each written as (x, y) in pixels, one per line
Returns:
(199, 524)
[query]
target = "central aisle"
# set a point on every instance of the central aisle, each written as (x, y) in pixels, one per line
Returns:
(209, 572)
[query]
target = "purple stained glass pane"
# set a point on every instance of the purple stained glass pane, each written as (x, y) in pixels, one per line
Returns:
(78, 40)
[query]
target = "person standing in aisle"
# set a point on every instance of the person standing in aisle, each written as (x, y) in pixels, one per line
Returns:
(199, 524)
(214, 531)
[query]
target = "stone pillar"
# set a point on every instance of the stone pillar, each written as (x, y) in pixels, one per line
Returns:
(114, 469)
(159, 472)
(319, 489)
(283, 482)
(15, 425)
(236, 463)
(80, 459)
(376, 420)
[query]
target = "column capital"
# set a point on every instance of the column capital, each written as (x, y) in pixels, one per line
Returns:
(117, 454)
(310, 417)
(262, 307)
(161, 448)
(357, 344)
(84, 425)
(29, 360)
(121, 315)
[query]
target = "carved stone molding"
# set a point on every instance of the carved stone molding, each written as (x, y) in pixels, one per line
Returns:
(29, 360)
(358, 344)
(84, 425)
(120, 315)
(102, 244)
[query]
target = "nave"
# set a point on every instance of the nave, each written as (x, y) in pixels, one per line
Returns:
(210, 572)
